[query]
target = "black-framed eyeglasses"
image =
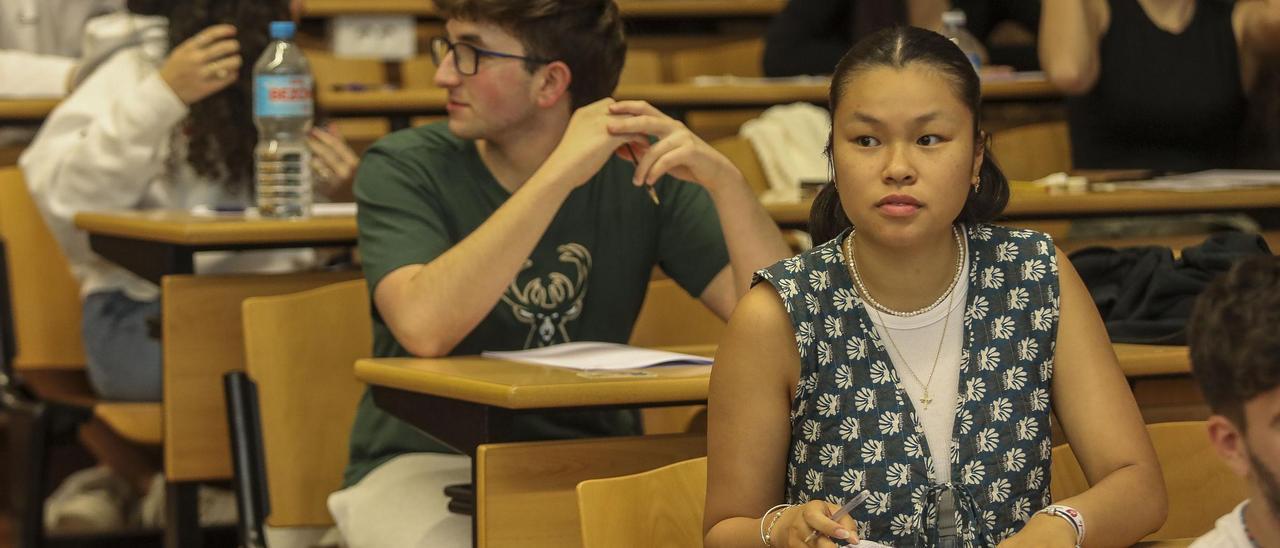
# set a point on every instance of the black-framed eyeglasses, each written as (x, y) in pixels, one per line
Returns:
(466, 57)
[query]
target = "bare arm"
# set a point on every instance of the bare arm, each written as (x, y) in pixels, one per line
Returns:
(1126, 500)
(748, 409)
(752, 237)
(1257, 27)
(1068, 42)
(431, 307)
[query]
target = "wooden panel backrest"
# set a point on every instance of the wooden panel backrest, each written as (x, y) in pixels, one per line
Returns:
(46, 298)
(526, 493)
(663, 507)
(418, 72)
(203, 339)
(300, 348)
(1200, 486)
(643, 66)
(739, 151)
(1032, 151)
(672, 317)
(329, 70)
(737, 58)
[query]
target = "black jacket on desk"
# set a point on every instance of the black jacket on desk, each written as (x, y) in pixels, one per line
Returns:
(1145, 296)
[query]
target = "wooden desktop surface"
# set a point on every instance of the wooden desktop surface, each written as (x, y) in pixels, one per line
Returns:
(25, 110)
(513, 385)
(673, 95)
(1027, 202)
(186, 228)
(629, 8)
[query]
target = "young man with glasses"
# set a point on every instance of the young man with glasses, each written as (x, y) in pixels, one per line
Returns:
(1235, 355)
(520, 224)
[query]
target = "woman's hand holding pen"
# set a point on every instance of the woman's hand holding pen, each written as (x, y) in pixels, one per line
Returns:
(678, 151)
(797, 524)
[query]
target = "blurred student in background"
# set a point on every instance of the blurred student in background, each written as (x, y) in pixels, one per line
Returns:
(810, 36)
(1158, 84)
(164, 123)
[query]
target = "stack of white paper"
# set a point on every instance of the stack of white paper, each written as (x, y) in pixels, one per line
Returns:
(597, 356)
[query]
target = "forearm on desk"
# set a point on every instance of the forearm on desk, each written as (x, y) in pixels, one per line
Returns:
(430, 308)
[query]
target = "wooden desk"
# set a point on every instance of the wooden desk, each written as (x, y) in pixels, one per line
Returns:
(678, 96)
(629, 8)
(25, 111)
(156, 243)
(1033, 203)
(467, 401)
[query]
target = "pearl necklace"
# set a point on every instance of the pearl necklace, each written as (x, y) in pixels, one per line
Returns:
(866, 295)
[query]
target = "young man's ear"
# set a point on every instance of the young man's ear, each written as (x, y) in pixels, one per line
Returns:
(552, 84)
(1229, 442)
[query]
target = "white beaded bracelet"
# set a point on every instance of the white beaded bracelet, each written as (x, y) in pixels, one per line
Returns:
(766, 533)
(1071, 515)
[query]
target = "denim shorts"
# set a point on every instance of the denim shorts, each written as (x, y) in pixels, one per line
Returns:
(122, 352)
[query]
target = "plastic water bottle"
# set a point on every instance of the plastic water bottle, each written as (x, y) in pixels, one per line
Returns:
(282, 110)
(953, 27)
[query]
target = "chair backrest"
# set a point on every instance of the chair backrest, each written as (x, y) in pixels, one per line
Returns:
(1029, 152)
(663, 507)
(45, 296)
(736, 58)
(1200, 486)
(330, 69)
(299, 349)
(672, 317)
(739, 151)
(643, 66)
(204, 340)
(526, 493)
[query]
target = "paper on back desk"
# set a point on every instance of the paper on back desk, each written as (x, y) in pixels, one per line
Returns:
(597, 356)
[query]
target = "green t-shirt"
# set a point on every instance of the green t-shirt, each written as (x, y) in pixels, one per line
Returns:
(422, 190)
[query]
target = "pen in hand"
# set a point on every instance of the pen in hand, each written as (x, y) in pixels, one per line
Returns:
(636, 160)
(842, 512)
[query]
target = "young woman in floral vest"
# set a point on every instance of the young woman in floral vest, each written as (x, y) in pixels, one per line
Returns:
(914, 357)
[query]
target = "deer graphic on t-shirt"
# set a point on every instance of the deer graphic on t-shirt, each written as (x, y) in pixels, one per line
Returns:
(548, 303)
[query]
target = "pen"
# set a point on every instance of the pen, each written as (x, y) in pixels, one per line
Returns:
(842, 512)
(636, 160)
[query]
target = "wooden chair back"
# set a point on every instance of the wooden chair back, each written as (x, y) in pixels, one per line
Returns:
(45, 296)
(663, 507)
(1029, 152)
(300, 348)
(736, 58)
(329, 70)
(204, 339)
(526, 493)
(739, 151)
(643, 66)
(672, 317)
(1200, 486)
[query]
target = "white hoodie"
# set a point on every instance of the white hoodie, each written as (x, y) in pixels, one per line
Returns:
(108, 147)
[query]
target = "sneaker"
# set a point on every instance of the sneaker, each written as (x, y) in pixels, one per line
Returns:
(90, 500)
(215, 506)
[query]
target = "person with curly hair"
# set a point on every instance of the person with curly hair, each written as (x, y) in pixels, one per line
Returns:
(164, 122)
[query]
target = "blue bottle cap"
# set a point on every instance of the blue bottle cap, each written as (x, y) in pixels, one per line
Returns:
(282, 30)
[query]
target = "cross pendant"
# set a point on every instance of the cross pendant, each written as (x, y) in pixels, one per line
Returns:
(925, 399)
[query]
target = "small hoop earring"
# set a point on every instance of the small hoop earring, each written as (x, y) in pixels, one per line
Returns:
(977, 185)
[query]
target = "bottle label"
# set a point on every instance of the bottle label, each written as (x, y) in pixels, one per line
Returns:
(282, 96)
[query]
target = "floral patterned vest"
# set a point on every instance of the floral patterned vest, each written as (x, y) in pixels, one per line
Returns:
(853, 428)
